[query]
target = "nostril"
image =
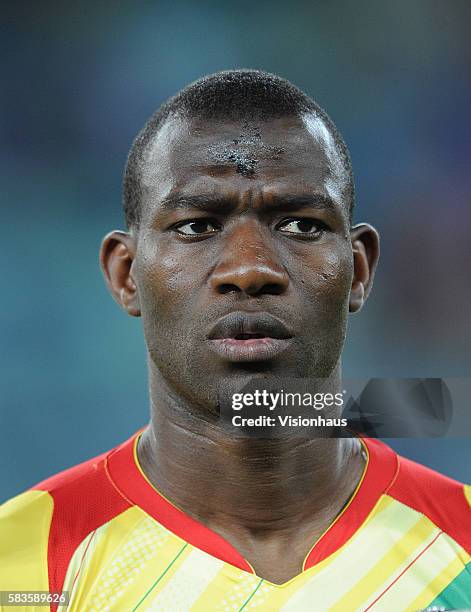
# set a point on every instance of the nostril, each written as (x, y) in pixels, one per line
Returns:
(268, 288)
(228, 288)
(272, 289)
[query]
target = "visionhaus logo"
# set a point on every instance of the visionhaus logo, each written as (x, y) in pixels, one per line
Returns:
(280, 408)
(315, 408)
(274, 402)
(287, 420)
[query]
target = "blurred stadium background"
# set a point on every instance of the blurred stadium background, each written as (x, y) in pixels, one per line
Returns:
(79, 80)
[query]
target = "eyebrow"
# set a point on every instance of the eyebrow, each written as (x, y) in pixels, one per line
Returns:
(207, 202)
(317, 201)
(220, 204)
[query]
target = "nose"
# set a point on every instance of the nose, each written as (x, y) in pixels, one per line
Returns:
(249, 264)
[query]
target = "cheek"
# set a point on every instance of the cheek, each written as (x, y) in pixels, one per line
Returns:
(327, 278)
(163, 291)
(165, 279)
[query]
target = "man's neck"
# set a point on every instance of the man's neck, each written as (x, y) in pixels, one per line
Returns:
(269, 498)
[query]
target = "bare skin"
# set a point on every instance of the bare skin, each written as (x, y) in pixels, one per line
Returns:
(215, 238)
(270, 501)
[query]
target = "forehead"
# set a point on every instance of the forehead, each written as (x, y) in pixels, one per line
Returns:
(288, 154)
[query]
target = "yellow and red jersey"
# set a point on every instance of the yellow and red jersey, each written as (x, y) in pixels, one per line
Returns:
(103, 533)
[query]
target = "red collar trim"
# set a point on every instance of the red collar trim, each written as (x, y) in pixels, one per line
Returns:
(128, 478)
(130, 481)
(380, 473)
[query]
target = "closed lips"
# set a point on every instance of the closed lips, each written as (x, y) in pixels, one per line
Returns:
(247, 326)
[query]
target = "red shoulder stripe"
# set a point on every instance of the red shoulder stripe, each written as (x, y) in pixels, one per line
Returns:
(84, 500)
(438, 497)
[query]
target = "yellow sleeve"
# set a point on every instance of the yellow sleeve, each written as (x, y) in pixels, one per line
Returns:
(467, 493)
(24, 533)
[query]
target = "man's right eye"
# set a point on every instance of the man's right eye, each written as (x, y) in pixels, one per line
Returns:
(197, 227)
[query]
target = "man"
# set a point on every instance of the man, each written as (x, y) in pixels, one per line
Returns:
(242, 261)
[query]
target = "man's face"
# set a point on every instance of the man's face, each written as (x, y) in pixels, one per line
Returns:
(243, 258)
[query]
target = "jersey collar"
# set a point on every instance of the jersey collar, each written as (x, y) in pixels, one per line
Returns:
(126, 475)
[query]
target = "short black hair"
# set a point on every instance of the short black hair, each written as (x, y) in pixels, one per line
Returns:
(230, 94)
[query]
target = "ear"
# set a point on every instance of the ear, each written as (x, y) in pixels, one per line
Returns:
(117, 255)
(365, 248)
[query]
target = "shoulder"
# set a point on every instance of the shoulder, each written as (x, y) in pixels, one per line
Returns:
(83, 495)
(41, 528)
(445, 501)
(24, 530)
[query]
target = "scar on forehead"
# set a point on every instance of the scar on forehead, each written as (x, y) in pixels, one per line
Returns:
(245, 151)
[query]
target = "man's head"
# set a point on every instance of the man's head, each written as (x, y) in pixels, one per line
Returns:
(240, 96)
(241, 257)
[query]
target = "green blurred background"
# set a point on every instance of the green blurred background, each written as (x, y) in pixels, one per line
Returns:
(80, 79)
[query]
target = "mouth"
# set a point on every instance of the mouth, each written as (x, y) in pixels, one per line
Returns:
(244, 337)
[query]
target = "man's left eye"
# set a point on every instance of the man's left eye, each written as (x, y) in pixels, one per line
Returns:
(301, 226)
(196, 227)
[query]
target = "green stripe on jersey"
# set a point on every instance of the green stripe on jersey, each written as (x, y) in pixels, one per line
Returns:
(458, 593)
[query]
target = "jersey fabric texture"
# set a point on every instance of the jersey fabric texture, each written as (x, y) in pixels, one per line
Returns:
(103, 533)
